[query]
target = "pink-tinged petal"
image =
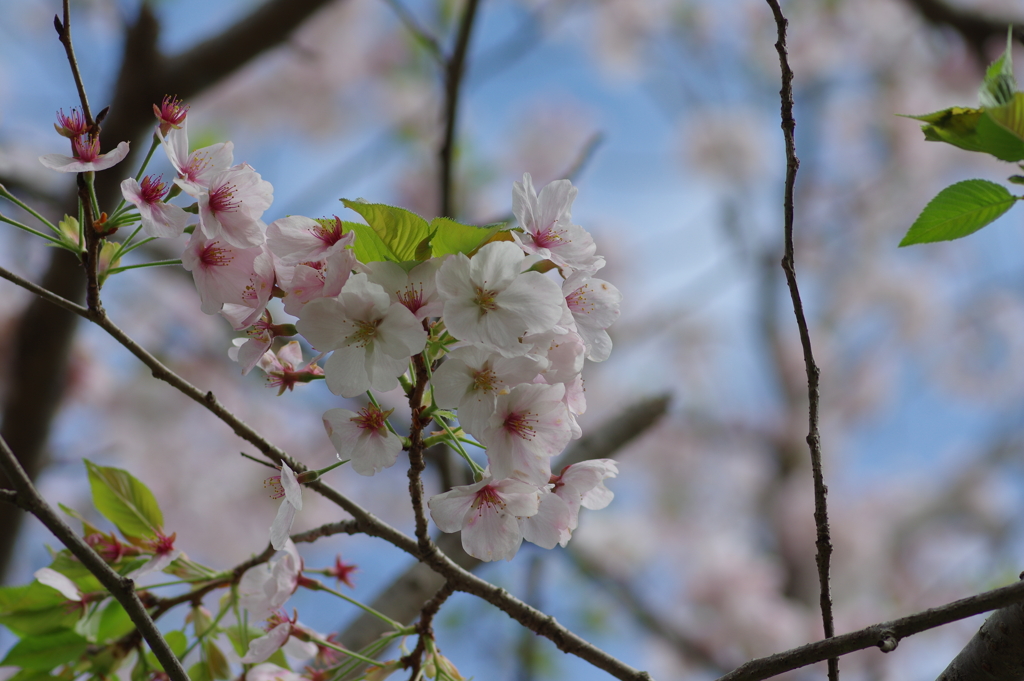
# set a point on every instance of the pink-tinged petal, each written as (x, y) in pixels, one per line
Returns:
(300, 650)
(551, 524)
(61, 583)
(345, 371)
(491, 535)
(263, 647)
(155, 564)
(324, 324)
(449, 510)
(292, 488)
(282, 525)
(68, 164)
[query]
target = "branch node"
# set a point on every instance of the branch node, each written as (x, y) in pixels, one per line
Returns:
(888, 641)
(209, 397)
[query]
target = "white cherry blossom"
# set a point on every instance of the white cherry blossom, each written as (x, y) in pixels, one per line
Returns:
(487, 513)
(547, 226)
(528, 427)
(594, 304)
(488, 299)
(159, 219)
(372, 338)
(364, 438)
(291, 491)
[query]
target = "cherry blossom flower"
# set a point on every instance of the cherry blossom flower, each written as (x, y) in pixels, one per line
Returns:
(226, 275)
(487, 514)
(364, 438)
(296, 239)
(547, 224)
(87, 156)
(578, 485)
(310, 280)
(159, 219)
(287, 487)
(528, 427)
(266, 587)
(489, 300)
(230, 208)
(171, 114)
(372, 339)
(594, 304)
(196, 169)
(71, 125)
(164, 554)
(473, 376)
(283, 632)
(415, 289)
(284, 368)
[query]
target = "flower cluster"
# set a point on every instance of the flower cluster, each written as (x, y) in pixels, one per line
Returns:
(487, 325)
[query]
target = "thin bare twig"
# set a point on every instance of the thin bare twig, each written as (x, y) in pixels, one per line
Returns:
(822, 542)
(884, 636)
(421, 34)
(454, 70)
(121, 588)
(64, 33)
(425, 627)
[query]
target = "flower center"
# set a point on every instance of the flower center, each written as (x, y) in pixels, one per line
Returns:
(485, 300)
(485, 380)
(215, 255)
(371, 418)
(86, 147)
(520, 425)
(329, 234)
(364, 334)
(222, 199)
(153, 188)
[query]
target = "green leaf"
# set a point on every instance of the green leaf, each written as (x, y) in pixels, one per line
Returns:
(999, 85)
(455, 237)
(959, 210)
(972, 130)
(35, 609)
(125, 501)
(47, 651)
(1010, 115)
(114, 623)
(401, 231)
(30, 675)
(199, 672)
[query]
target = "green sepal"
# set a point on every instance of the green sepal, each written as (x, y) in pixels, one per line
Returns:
(402, 231)
(125, 501)
(971, 130)
(959, 210)
(455, 237)
(46, 651)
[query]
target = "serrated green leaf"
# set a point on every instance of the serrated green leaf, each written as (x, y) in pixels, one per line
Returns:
(87, 527)
(35, 609)
(401, 230)
(455, 237)
(217, 665)
(959, 210)
(972, 130)
(368, 246)
(1010, 115)
(47, 651)
(125, 501)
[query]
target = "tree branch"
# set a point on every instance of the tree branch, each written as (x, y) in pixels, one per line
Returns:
(454, 70)
(994, 653)
(884, 636)
(823, 542)
(122, 588)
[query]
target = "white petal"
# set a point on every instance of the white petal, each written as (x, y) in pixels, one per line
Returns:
(60, 582)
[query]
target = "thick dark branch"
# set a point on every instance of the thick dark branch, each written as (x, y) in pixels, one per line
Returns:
(994, 653)
(122, 588)
(884, 636)
(454, 71)
(822, 542)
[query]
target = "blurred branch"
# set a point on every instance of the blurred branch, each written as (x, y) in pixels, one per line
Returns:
(122, 588)
(884, 636)
(421, 34)
(823, 542)
(689, 649)
(976, 28)
(454, 71)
